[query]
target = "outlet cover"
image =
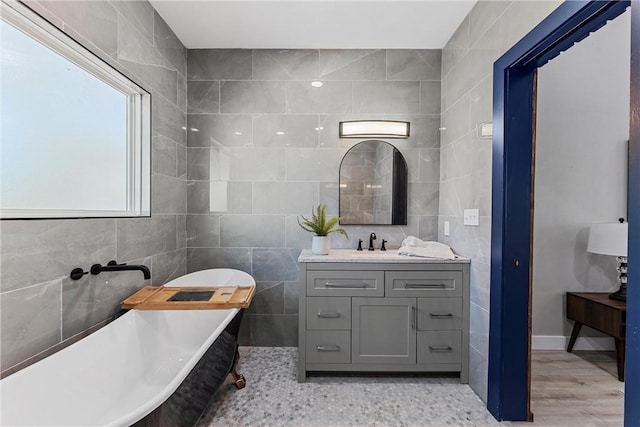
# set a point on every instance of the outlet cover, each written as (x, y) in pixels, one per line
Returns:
(447, 230)
(471, 217)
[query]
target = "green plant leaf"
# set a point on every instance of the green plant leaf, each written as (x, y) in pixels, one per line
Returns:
(319, 224)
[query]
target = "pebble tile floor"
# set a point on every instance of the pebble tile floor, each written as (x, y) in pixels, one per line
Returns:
(273, 397)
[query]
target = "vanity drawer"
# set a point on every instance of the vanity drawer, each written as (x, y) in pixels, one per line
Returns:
(345, 283)
(329, 313)
(439, 347)
(432, 283)
(439, 314)
(328, 347)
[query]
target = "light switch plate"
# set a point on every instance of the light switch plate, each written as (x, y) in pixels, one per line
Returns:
(485, 130)
(471, 217)
(447, 231)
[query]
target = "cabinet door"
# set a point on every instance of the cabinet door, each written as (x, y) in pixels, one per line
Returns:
(383, 330)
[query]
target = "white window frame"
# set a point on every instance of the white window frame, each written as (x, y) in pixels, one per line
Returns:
(138, 120)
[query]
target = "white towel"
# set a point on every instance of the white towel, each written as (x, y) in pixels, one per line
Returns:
(413, 246)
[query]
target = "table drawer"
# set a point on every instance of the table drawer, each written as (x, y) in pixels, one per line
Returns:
(345, 283)
(439, 314)
(432, 283)
(597, 311)
(439, 347)
(329, 313)
(328, 347)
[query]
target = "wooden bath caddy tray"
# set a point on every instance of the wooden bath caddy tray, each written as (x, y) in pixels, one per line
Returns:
(160, 298)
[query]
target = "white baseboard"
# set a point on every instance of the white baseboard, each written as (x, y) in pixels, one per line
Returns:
(552, 342)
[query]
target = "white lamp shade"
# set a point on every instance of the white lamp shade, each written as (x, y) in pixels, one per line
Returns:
(608, 238)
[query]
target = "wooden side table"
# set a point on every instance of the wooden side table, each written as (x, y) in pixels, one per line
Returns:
(596, 310)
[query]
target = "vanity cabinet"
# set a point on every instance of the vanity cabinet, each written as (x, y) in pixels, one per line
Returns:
(382, 313)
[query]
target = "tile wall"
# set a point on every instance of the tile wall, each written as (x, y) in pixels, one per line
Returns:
(263, 148)
(40, 306)
(489, 30)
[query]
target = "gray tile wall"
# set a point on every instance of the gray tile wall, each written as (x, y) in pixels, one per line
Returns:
(40, 306)
(489, 30)
(261, 133)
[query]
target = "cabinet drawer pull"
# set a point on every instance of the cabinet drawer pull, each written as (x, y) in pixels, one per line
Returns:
(440, 348)
(328, 315)
(345, 285)
(425, 285)
(328, 348)
(440, 315)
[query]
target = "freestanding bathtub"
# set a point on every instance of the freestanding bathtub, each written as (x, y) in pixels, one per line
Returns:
(125, 371)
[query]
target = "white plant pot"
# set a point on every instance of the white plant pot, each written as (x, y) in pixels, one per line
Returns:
(321, 245)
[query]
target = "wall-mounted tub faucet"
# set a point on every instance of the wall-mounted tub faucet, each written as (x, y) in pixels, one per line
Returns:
(372, 237)
(114, 266)
(77, 273)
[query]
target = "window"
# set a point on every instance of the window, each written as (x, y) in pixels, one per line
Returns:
(75, 133)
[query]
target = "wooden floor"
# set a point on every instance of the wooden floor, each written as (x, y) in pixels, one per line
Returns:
(576, 389)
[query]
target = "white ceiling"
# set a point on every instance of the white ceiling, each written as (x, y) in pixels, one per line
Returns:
(299, 24)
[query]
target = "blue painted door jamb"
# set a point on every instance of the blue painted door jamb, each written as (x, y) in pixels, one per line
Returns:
(632, 365)
(513, 104)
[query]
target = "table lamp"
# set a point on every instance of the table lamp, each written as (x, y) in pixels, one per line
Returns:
(610, 238)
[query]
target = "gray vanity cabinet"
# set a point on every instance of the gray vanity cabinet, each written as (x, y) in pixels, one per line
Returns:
(382, 313)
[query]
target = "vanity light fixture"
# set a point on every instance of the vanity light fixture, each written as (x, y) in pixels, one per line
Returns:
(374, 129)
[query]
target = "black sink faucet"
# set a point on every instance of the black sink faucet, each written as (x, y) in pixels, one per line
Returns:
(372, 237)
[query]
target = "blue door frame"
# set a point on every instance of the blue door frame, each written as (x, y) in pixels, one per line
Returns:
(513, 109)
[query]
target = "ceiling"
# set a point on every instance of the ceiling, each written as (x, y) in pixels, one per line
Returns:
(307, 24)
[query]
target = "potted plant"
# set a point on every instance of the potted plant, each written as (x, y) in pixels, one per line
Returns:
(322, 227)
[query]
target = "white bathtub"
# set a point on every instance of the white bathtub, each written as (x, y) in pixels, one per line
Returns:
(123, 371)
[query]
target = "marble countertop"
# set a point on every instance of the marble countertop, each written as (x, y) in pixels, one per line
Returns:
(389, 256)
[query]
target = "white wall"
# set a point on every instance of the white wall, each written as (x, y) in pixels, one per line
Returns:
(582, 133)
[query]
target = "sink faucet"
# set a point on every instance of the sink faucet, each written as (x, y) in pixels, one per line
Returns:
(372, 237)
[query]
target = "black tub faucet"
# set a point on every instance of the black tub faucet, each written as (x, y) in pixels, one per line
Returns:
(114, 266)
(372, 237)
(359, 245)
(382, 248)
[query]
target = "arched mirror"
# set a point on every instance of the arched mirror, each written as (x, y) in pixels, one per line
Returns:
(373, 185)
